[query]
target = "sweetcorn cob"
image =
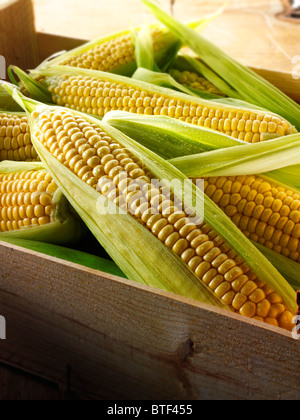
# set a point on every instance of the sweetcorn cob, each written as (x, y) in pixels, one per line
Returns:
(264, 211)
(98, 93)
(103, 163)
(114, 53)
(32, 206)
(26, 200)
(193, 80)
(15, 141)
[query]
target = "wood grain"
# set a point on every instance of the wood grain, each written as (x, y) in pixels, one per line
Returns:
(18, 43)
(18, 385)
(127, 341)
(248, 30)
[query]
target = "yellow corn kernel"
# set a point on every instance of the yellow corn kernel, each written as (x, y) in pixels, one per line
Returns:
(262, 212)
(196, 82)
(25, 200)
(15, 140)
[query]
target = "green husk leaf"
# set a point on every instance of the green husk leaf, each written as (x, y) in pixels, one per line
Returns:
(198, 151)
(164, 59)
(290, 175)
(250, 87)
(144, 53)
(7, 167)
(68, 254)
(167, 58)
(185, 62)
(7, 103)
(287, 267)
(167, 81)
(250, 159)
(37, 90)
(168, 137)
(64, 230)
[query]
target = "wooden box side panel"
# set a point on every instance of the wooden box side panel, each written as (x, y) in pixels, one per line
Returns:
(18, 42)
(125, 341)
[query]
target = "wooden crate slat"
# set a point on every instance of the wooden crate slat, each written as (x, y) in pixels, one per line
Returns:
(52, 44)
(128, 341)
(18, 43)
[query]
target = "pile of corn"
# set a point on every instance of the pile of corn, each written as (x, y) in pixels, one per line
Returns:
(62, 167)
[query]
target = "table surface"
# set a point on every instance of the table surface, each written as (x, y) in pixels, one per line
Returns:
(248, 30)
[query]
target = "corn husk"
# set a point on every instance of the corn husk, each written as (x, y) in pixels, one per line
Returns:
(290, 175)
(144, 53)
(202, 152)
(68, 254)
(250, 159)
(136, 251)
(7, 103)
(168, 137)
(186, 62)
(288, 268)
(167, 81)
(249, 86)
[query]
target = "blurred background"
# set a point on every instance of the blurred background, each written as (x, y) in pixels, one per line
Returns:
(248, 29)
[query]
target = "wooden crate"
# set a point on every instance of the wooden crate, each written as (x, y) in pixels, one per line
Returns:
(99, 336)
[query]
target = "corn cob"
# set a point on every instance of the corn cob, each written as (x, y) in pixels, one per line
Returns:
(115, 53)
(32, 206)
(193, 80)
(116, 173)
(15, 141)
(26, 200)
(265, 212)
(98, 93)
